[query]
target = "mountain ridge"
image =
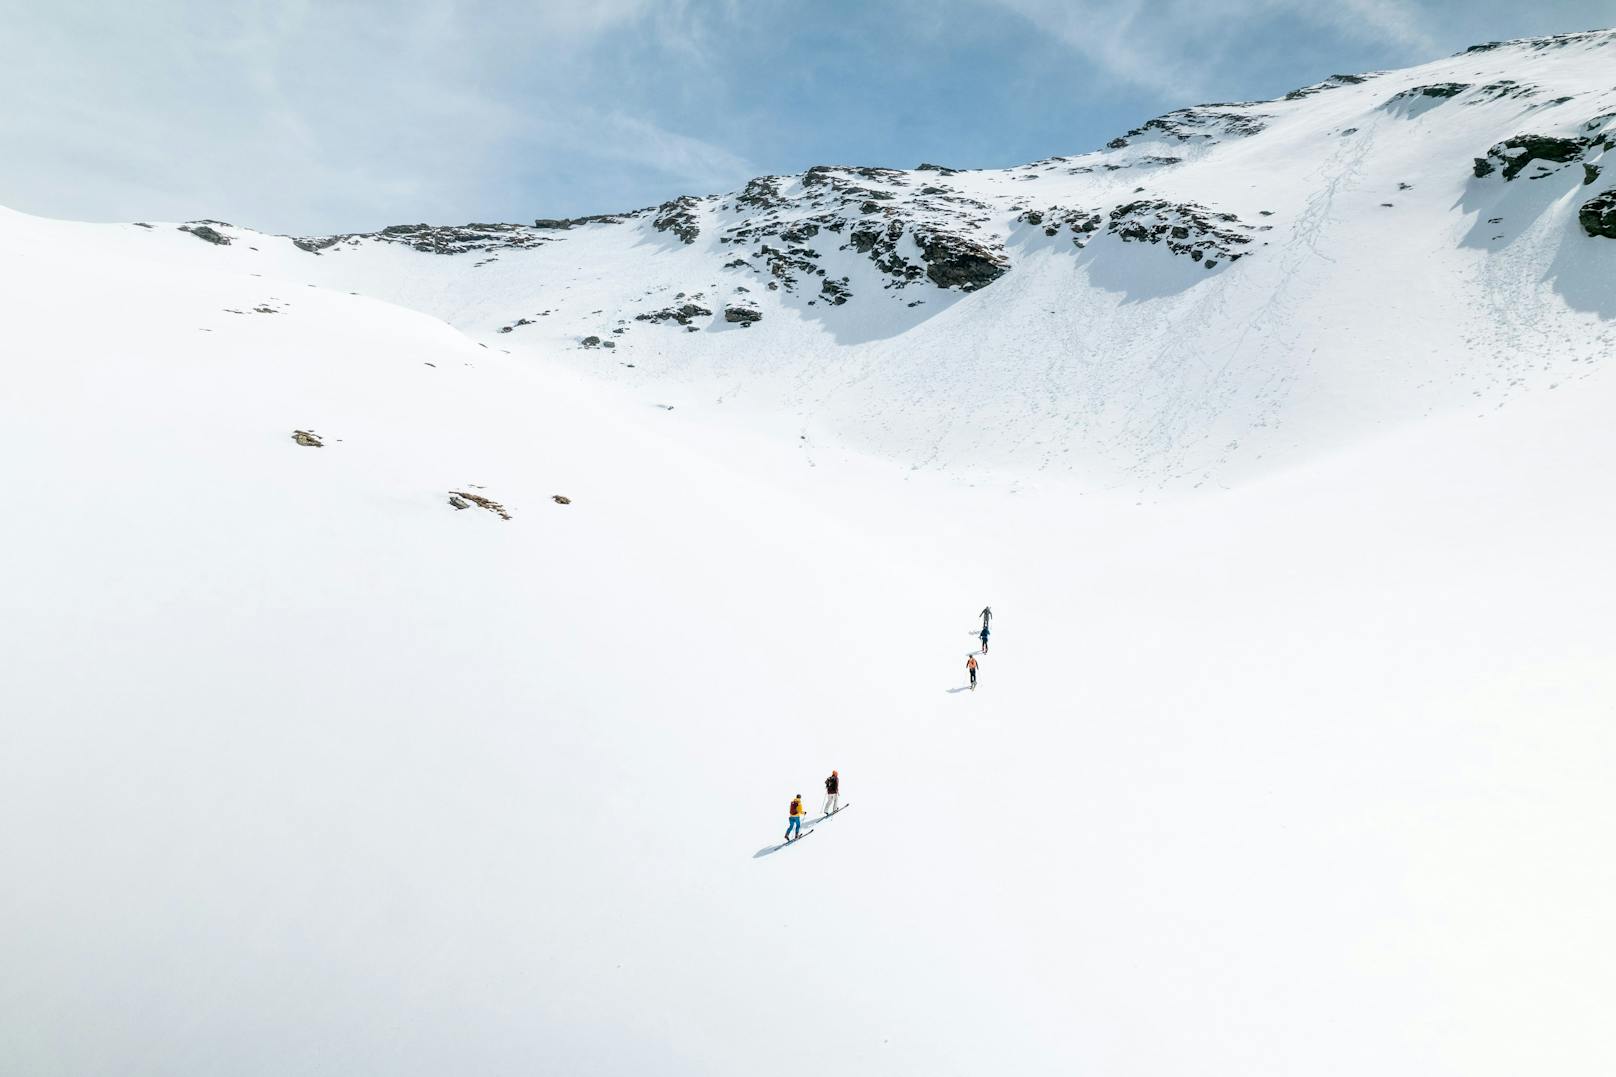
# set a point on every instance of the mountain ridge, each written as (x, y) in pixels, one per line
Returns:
(1179, 307)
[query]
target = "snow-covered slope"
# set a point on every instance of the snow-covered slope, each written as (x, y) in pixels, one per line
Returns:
(306, 771)
(1223, 290)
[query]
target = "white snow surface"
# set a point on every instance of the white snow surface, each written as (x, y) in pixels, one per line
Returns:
(1292, 753)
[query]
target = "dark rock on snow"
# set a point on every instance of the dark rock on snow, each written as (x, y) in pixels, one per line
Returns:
(1598, 215)
(202, 231)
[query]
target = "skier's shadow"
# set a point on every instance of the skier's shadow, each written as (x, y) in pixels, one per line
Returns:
(961, 688)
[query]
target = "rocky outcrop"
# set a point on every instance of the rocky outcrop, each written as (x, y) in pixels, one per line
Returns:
(565, 224)
(461, 499)
(1184, 228)
(684, 314)
(1083, 223)
(1203, 123)
(1511, 156)
(1598, 215)
(435, 239)
(1438, 90)
(1334, 82)
(835, 292)
(761, 193)
(308, 439)
(207, 232)
(679, 217)
(953, 261)
(1503, 89)
(741, 314)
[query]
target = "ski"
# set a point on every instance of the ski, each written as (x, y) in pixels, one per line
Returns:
(794, 840)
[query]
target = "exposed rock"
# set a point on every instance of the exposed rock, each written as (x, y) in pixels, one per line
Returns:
(1598, 215)
(459, 502)
(800, 232)
(1184, 227)
(561, 499)
(1513, 155)
(1083, 223)
(761, 193)
(679, 217)
(1501, 90)
(1334, 82)
(203, 231)
(684, 314)
(1437, 90)
(590, 342)
(1205, 122)
(836, 291)
(563, 224)
(434, 239)
(925, 166)
(480, 501)
(744, 315)
(954, 261)
(308, 439)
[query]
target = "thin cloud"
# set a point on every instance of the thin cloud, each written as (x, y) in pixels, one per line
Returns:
(1181, 49)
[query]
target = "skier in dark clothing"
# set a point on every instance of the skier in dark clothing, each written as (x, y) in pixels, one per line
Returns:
(833, 787)
(987, 615)
(984, 639)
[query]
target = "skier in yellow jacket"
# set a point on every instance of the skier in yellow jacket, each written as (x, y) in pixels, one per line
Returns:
(794, 819)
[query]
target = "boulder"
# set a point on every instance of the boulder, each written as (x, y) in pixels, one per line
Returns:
(952, 261)
(1598, 215)
(202, 231)
(1512, 155)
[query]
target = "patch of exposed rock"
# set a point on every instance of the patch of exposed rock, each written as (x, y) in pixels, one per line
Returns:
(953, 261)
(679, 217)
(1436, 90)
(1083, 223)
(1598, 215)
(1334, 82)
(308, 439)
(434, 239)
(741, 314)
(684, 314)
(1503, 89)
(566, 224)
(1184, 228)
(207, 232)
(462, 499)
(1512, 156)
(1204, 122)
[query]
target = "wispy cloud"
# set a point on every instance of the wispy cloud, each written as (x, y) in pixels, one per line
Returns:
(304, 116)
(1180, 48)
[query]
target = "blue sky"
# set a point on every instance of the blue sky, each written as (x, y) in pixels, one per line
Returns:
(313, 116)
